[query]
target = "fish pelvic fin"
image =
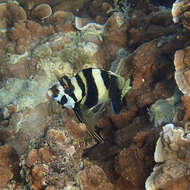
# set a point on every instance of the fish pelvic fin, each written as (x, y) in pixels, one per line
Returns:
(85, 116)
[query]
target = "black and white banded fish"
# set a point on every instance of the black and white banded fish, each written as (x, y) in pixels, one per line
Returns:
(88, 89)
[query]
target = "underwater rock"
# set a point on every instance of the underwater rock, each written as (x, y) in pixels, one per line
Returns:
(172, 150)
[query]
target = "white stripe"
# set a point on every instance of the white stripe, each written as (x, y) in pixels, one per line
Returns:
(70, 102)
(77, 90)
(102, 91)
(61, 92)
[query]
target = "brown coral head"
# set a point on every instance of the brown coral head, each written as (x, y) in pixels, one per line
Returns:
(17, 12)
(62, 16)
(176, 10)
(41, 11)
(84, 24)
(183, 81)
(182, 74)
(179, 60)
(12, 12)
(3, 10)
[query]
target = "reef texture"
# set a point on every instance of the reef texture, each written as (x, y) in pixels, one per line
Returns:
(43, 146)
(172, 152)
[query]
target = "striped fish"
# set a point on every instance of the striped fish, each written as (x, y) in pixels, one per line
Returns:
(88, 89)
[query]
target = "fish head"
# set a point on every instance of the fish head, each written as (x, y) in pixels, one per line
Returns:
(59, 93)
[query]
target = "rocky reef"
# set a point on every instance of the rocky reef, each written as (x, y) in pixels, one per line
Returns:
(43, 146)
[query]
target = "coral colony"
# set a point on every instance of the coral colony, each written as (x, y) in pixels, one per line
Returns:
(95, 58)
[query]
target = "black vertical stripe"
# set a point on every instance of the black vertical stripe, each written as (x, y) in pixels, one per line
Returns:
(62, 82)
(81, 84)
(92, 91)
(106, 78)
(73, 96)
(63, 100)
(68, 87)
(68, 81)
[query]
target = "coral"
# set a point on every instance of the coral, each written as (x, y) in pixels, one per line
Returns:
(77, 130)
(41, 40)
(11, 12)
(85, 24)
(186, 100)
(172, 150)
(179, 7)
(181, 63)
(41, 11)
(9, 165)
(133, 163)
(63, 21)
(162, 111)
(80, 54)
(94, 178)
